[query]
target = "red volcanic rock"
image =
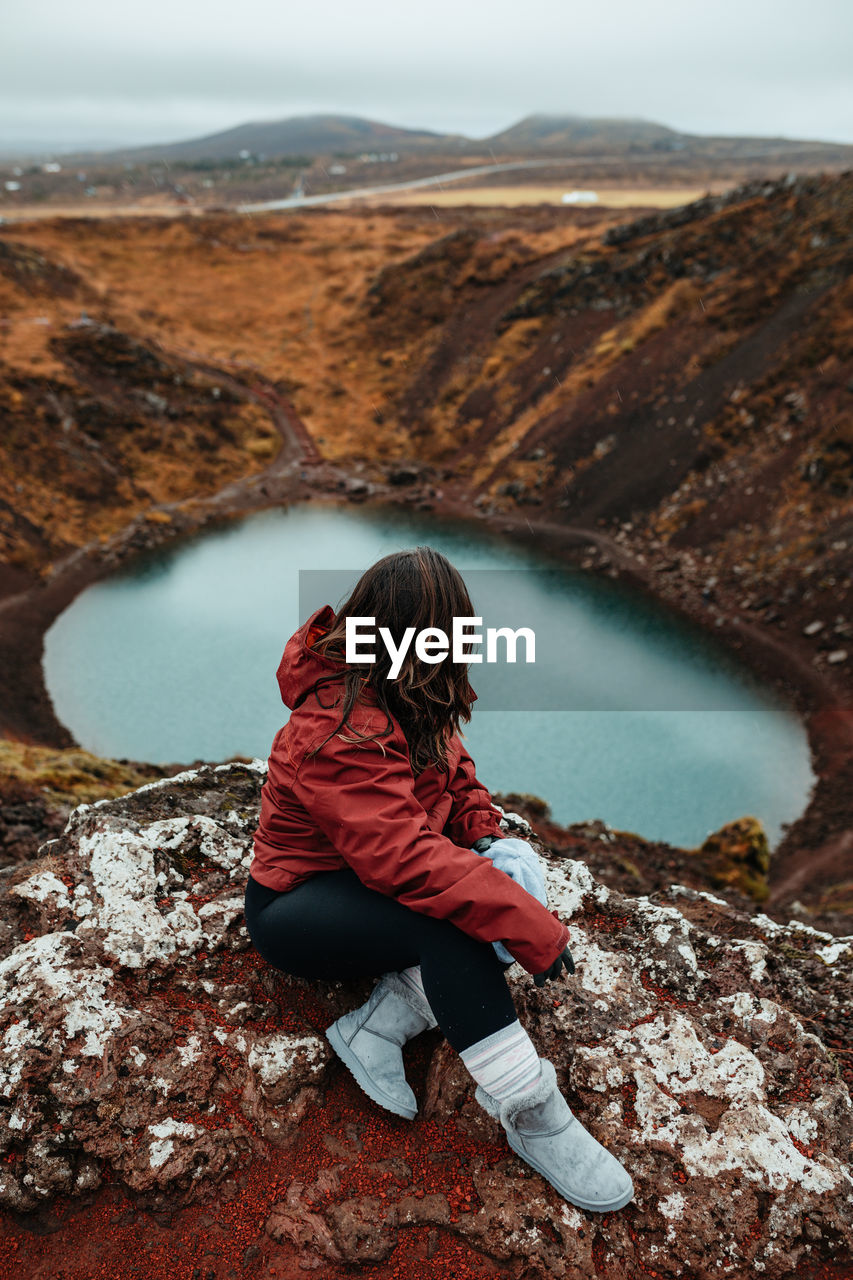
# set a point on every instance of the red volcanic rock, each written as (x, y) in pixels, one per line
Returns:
(127, 1042)
(144, 1043)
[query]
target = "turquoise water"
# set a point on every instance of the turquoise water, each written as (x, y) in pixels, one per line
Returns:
(651, 727)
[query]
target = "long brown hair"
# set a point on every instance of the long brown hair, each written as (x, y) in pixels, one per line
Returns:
(418, 588)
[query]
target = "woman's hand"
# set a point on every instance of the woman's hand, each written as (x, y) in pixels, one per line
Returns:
(564, 958)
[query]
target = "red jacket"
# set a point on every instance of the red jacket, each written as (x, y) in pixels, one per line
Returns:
(358, 804)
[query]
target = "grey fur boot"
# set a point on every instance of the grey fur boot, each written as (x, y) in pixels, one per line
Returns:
(370, 1039)
(543, 1130)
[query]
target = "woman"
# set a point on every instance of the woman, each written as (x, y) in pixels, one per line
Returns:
(367, 861)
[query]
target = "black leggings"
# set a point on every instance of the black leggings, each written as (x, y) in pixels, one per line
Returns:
(332, 926)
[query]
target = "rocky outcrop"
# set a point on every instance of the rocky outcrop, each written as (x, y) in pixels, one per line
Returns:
(146, 1043)
(39, 276)
(39, 787)
(132, 1038)
(116, 426)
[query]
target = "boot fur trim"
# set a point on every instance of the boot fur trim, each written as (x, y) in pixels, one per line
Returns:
(394, 983)
(487, 1102)
(517, 1102)
(507, 1110)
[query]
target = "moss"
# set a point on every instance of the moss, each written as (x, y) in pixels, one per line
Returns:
(738, 857)
(72, 776)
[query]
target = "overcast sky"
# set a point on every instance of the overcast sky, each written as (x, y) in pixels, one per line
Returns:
(102, 73)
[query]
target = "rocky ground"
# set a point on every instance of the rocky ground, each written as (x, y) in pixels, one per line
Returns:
(171, 1107)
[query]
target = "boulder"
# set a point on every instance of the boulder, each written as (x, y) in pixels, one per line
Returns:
(143, 1041)
(738, 857)
(134, 1035)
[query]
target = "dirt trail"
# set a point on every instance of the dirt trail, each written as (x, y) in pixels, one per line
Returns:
(297, 442)
(26, 711)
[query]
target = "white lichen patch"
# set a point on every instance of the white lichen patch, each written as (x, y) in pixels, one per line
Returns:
(45, 887)
(756, 1141)
(672, 1208)
(48, 970)
(239, 820)
(665, 922)
(25, 1115)
(126, 864)
(680, 1061)
(190, 1052)
(832, 954)
(667, 1062)
(125, 883)
(82, 904)
(164, 1137)
(513, 819)
(122, 867)
(766, 925)
(217, 916)
(801, 1125)
(605, 973)
(216, 843)
(273, 1058)
(568, 883)
(748, 1008)
(256, 765)
(681, 891)
(755, 954)
(574, 1220)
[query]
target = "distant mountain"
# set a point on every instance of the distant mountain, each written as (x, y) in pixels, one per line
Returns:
(593, 135)
(557, 135)
(297, 136)
(568, 133)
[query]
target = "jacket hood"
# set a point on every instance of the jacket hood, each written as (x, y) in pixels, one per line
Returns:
(301, 666)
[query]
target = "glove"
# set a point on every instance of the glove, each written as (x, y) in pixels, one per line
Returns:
(484, 843)
(564, 958)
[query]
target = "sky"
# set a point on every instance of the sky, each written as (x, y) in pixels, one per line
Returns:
(94, 73)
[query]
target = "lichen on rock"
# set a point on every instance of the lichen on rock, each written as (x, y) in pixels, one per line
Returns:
(123, 1035)
(140, 1033)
